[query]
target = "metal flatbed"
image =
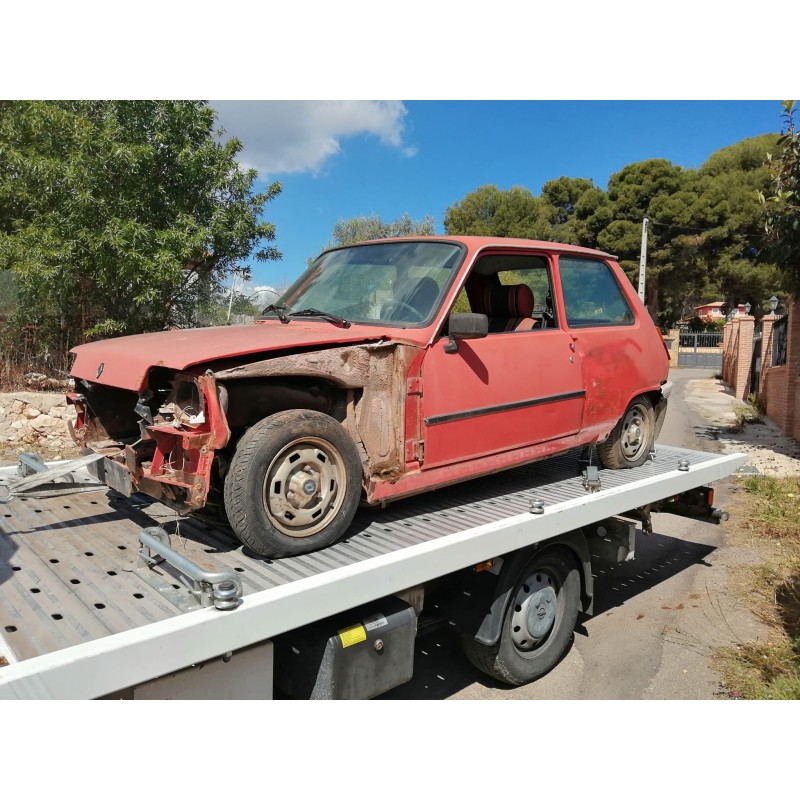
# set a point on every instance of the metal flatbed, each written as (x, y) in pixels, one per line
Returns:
(80, 619)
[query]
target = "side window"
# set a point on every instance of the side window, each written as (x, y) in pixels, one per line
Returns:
(514, 291)
(592, 296)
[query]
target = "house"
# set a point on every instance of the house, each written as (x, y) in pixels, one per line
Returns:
(714, 310)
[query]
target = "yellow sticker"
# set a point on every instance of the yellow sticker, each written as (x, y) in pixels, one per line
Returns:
(352, 635)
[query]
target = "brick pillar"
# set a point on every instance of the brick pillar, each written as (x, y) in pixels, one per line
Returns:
(744, 357)
(727, 353)
(793, 370)
(674, 337)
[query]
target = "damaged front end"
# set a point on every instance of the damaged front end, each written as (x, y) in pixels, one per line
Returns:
(160, 442)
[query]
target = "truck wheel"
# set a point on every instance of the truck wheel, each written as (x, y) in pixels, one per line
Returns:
(293, 484)
(632, 439)
(538, 624)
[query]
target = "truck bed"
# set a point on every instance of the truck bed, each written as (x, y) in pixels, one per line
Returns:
(72, 595)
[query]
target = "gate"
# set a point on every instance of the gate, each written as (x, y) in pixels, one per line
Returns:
(703, 350)
(755, 364)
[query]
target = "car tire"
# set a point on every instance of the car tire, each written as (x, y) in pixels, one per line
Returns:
(633, 437)
(294, 484)
(538, 625)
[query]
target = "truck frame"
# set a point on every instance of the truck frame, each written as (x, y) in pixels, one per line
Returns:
(107, 596)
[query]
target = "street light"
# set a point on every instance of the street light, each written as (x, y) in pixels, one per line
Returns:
(773, 303)
(747, 308)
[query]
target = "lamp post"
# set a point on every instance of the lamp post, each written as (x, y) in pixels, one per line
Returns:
(773, 303)
(747, 308)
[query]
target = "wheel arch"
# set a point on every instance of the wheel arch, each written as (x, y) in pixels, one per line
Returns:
(488, 624)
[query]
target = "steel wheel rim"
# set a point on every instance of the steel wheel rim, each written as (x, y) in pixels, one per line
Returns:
(534, 612)
(304, 487)
(634, 432)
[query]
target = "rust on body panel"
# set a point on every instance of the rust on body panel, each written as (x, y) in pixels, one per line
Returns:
(375, 418)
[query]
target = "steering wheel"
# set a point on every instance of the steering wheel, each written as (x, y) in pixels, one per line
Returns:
(391, 306)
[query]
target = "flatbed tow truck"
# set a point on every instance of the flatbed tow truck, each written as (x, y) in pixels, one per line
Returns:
(103, 596)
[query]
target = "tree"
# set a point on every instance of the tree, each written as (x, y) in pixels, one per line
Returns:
(119, 216)
(782, 203)
(489, 211)
(365, 228)
(660, 191)
(731, 240)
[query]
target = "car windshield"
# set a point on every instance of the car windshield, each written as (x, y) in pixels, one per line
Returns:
(397, 283)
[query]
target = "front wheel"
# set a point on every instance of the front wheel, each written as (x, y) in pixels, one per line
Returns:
(538, 624)
(633, 437)
(293, 484)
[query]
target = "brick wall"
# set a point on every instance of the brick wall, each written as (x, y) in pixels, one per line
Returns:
(737, 355)
(781, 391)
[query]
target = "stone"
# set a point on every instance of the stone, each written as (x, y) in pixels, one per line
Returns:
(31, 412)
(46, 423)
(17, 406)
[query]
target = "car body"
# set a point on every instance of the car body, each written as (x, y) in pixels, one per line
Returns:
(387, 369)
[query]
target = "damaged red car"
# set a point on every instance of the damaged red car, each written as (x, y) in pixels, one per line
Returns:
(387, 369)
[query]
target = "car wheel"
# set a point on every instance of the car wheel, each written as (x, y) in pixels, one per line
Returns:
(294, 484)
(633, 437)
(538, 625)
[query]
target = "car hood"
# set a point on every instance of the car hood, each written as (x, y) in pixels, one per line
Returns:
(125, 362)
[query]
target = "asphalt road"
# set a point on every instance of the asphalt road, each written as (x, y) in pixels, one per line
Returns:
(656, 618)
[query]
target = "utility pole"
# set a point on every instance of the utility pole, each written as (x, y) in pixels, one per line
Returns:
(643, 258)
(230, 299)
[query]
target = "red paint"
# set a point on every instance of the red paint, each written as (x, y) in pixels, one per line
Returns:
(565, 386)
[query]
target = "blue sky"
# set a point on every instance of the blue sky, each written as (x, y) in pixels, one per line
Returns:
(342, 159)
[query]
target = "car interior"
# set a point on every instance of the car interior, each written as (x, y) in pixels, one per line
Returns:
(506, 288)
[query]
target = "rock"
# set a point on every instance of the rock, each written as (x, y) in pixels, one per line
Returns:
(31, 412)
(46, 423)
(17, 406)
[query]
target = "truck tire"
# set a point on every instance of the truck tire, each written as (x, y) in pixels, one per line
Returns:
(633, 437)
(294, 484)
(538, 624)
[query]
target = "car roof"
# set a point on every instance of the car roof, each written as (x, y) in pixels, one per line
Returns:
(476, 243)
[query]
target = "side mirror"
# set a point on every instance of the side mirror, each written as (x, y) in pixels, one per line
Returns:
(465, 326)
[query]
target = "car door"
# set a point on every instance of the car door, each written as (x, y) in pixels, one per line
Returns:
(508, 390)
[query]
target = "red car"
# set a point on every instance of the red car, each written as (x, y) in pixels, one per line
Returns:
(387, 369)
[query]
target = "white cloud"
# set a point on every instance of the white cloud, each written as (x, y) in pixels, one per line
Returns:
(281, 136)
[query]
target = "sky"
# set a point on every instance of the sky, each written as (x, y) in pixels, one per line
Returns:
(339, 159)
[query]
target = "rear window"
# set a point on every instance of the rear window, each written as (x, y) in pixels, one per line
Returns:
(592, 296)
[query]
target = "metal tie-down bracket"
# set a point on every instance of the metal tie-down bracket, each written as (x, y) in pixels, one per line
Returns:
(223, 590)
(49, 479)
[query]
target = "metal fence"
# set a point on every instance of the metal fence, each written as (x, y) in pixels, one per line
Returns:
(779, 340)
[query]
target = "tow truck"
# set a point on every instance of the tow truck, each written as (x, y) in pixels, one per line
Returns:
(107, 596)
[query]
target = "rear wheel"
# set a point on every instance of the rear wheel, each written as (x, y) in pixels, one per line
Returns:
(538, 624)
(294, 484)
(633, 437)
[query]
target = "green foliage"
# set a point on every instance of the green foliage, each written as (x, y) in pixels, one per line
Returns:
(8, 293)
(365, 228)
(696, 325)
(121, 216)
(782, 201)
(489, 211)
(705, 237)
